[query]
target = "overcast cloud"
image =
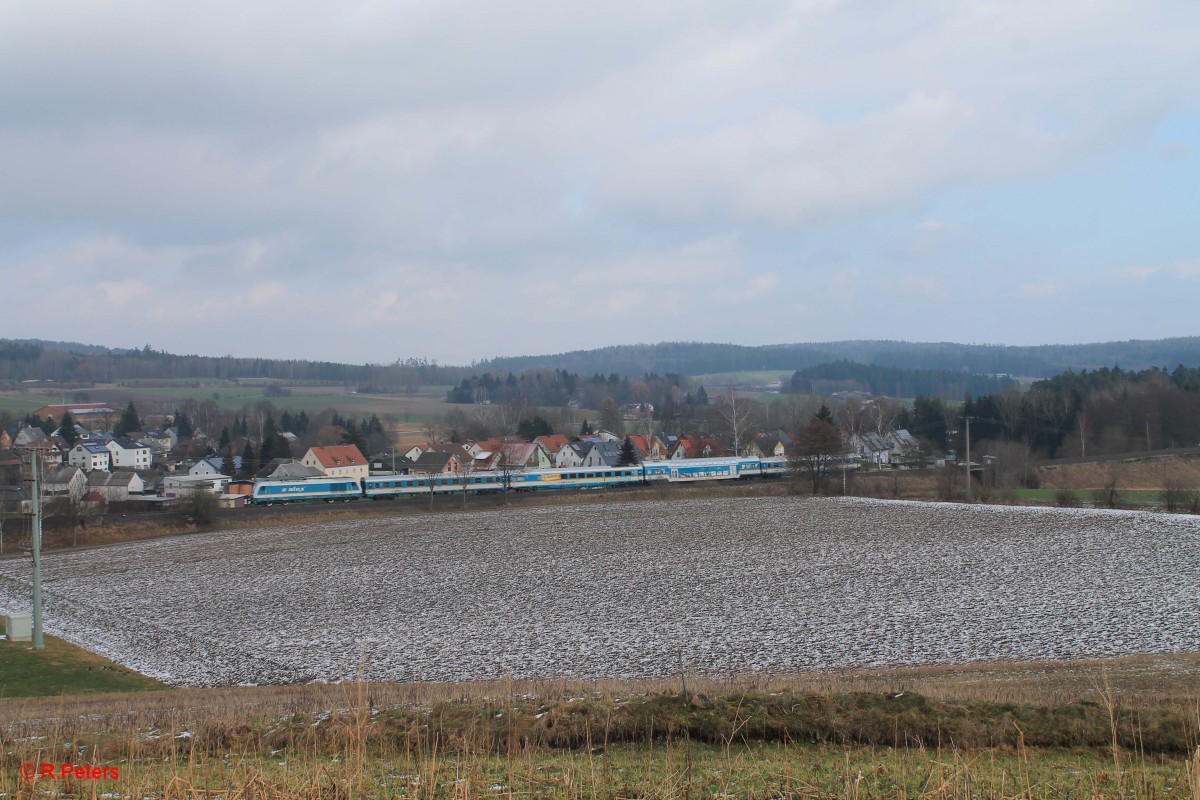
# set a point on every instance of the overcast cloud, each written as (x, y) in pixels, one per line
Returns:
(371, 181)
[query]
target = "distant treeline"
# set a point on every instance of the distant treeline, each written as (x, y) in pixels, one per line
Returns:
(70, 363)
(1092, 412)
(699, 358)
(843, 375)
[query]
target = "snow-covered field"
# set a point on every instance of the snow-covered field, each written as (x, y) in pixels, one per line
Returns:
(621, 590)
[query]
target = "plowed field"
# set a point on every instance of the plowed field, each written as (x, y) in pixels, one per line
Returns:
(625, 590)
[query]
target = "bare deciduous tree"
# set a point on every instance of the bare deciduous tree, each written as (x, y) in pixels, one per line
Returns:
(791, 412)
(851, 417)
(456, 424)
(506, 468)
(816, 447)
(610, 417)
(1012, 462)
(882, 414)
(737, 418)
(66, 507)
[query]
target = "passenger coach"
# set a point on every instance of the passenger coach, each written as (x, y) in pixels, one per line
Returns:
(376, 487)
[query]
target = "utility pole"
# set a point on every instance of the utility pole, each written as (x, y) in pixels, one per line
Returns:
(1147, 433)
(968, 419)
(38, 642)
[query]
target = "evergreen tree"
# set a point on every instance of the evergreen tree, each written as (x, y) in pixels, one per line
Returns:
(353, 435)
(530, 429)
(228, 465)
(286, 423)
(226, 439)
(66, 429)
(586, 428)
(128, 422)
(249, 464)
(267, 450)
(931, 418)
(183, 425)
(273, 444)
(701, 397)
(628, 456)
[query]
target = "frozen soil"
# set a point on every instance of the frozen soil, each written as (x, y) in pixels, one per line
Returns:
(631, 590)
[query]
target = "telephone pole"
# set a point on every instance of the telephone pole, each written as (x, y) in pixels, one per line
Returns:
(968, 419)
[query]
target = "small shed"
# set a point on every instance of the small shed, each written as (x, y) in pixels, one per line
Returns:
(232, 500)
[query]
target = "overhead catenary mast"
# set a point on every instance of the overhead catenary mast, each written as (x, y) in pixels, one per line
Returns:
(36, 499)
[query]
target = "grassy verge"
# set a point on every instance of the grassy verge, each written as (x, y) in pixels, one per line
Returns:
(562, 741)
(670, 770)
(1136, 498)
(63, 669)
(1112, 728)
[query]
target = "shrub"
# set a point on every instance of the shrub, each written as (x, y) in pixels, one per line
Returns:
(1067, 498)
(1108, 497)
(1176, 498)
(202, 506)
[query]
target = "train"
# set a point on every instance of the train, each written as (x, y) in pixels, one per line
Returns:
(380, 486)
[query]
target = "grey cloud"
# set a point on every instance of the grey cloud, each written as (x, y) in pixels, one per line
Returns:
(530, 143)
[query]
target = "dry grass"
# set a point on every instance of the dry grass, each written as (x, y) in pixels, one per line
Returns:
(1132, 475)
(560, 739)
(1160, 681)
(114, 530)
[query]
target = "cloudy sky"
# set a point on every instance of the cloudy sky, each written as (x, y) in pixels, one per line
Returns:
(459, 179)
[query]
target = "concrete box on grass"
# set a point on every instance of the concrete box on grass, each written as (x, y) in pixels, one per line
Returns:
(18, 627)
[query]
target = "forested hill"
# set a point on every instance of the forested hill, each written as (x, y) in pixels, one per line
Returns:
(25, 360)
(66, 361)
(699, 358)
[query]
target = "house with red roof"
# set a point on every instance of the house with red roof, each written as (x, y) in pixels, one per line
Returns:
(552, 443)
(642, 444)
(699, 447)
(337, 461)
